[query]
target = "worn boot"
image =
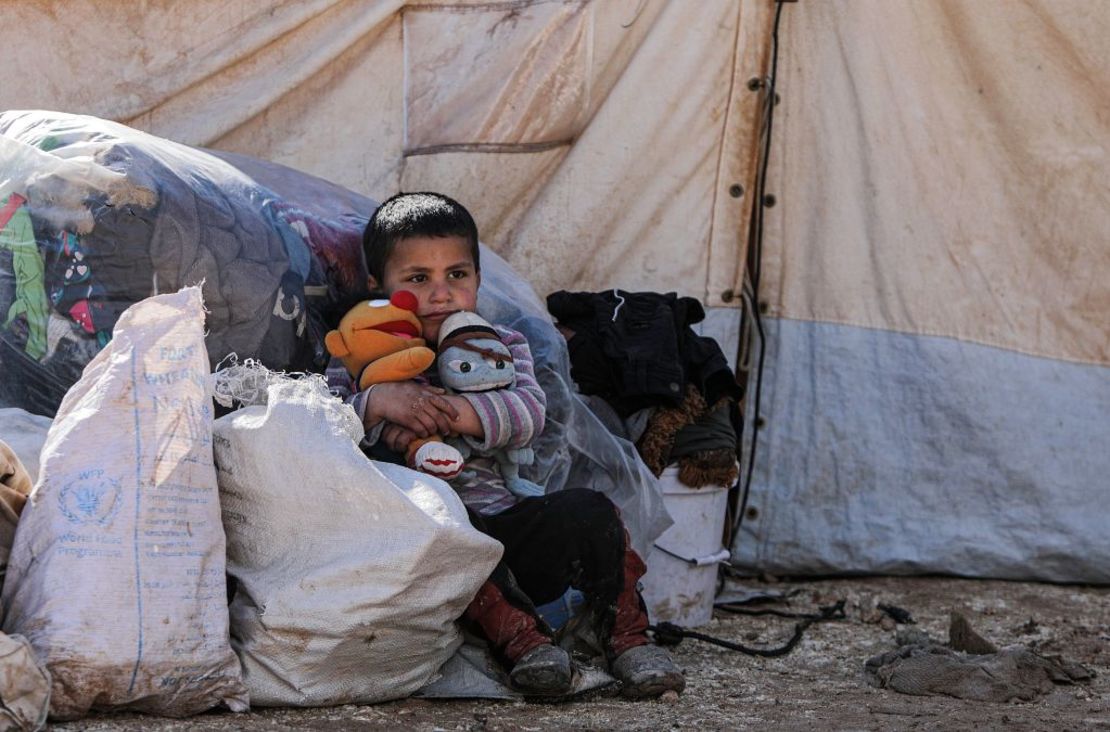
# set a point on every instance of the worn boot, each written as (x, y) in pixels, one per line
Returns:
(545, 670)
(538, 667)
(647, 671)
(643, 668)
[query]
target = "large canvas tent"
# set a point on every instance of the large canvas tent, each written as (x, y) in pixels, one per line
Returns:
(934, 271)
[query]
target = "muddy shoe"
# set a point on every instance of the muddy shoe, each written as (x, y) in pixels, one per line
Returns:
(543, 671)
(647, 671)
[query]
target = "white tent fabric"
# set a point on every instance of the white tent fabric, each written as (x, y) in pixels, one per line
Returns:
(936, 274)
(941, 168)
(535, 113)
(937, 283)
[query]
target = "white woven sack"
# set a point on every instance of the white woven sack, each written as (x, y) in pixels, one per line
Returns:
(117, 572)
(350, 573)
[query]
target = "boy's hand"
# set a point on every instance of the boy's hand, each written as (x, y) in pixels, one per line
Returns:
(397, 438)
(416, 407)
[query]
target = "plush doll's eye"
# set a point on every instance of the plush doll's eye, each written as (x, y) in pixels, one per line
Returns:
(463, 367)
(499, 364)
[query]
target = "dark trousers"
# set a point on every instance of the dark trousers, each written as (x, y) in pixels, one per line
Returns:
(571, 538)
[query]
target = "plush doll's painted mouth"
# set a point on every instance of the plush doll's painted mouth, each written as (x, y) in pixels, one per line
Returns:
(399, 328)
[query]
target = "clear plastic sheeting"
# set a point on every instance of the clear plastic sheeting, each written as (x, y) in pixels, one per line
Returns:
(576, 450)
(106, 216)
(95, 216)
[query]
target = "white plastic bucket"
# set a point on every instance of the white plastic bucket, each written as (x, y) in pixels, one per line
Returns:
(682, 590)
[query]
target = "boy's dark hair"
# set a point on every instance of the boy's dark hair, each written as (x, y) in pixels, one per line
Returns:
(414, 214)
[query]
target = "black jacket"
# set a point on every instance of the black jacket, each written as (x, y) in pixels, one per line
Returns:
(637, 349)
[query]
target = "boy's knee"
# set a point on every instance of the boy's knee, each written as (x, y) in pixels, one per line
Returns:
(586, 506)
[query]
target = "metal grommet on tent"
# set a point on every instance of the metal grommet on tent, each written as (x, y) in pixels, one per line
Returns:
(736, 190)
(755, 83)
(769, 200)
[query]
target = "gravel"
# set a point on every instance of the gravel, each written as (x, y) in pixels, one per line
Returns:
(819, 685)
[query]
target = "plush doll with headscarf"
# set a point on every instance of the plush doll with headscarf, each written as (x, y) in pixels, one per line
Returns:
(473, 359)
(380, 341)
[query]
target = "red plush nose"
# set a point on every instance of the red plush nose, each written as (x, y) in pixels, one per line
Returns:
(405, 300)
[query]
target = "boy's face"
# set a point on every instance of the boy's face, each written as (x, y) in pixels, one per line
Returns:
(440, 271)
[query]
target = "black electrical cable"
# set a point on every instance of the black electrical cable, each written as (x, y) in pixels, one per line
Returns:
(679, 557)
(669, 634)
(737, 610)
(756, 246)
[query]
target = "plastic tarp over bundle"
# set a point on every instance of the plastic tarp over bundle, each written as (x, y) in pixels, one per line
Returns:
(575, 449)
(112, 215)
(95, 216)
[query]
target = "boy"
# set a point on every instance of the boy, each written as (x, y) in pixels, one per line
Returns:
(427, 243)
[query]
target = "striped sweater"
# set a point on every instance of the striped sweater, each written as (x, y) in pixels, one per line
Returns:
(510, 418)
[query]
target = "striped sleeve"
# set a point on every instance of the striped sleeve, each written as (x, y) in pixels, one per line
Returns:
(510, 417)
(343, 386)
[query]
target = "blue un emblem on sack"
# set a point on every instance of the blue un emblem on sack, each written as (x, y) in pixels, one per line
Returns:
(90, 500)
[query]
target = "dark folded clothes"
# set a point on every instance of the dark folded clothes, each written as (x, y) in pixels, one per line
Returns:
(637, 349)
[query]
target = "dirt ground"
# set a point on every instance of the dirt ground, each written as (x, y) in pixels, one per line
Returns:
(820, 685)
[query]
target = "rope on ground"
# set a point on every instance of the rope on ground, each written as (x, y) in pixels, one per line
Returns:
(669, 634)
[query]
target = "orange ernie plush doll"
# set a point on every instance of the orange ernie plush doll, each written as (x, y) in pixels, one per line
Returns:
(380, 341)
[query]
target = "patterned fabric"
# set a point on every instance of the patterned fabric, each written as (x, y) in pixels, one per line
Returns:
(481, 487)
(509, 418)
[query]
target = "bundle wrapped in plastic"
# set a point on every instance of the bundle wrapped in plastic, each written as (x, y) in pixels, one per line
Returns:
(111, 215)
(576, 449)
(95, 216)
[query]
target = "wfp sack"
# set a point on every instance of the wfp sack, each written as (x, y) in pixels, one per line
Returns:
(117, 572)
(349, 574)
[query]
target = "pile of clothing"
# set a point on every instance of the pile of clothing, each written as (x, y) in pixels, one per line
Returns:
(653, 379)
(96, 216)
